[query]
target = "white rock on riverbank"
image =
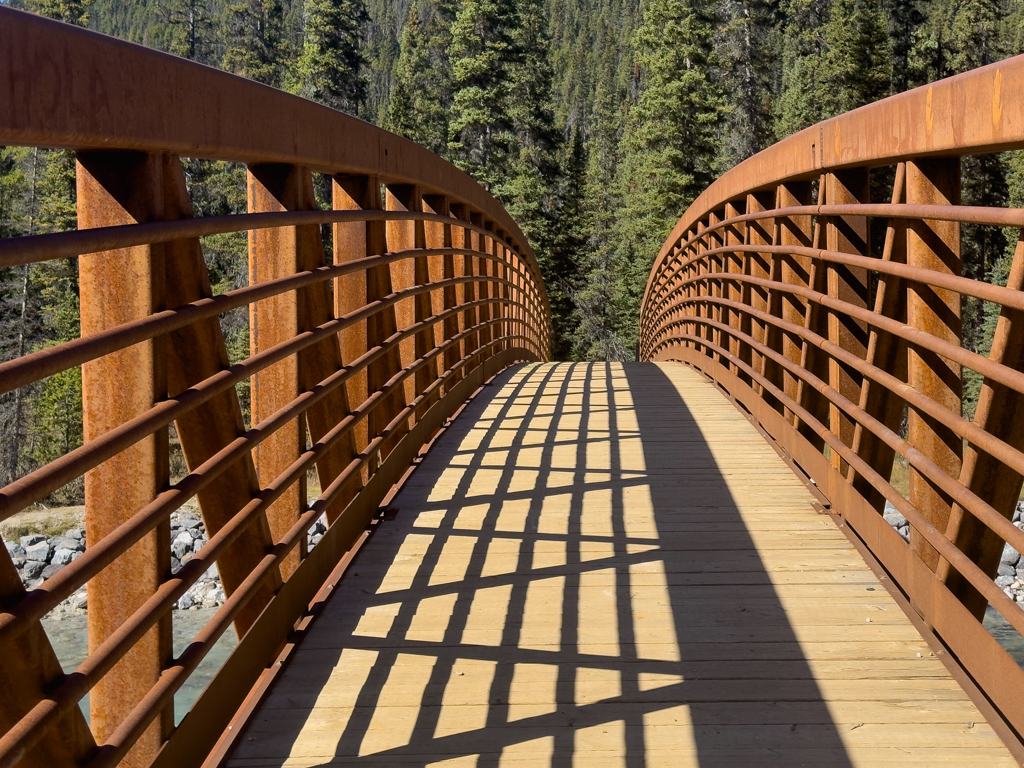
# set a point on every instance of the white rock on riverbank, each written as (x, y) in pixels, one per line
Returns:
(38, 558)
(1010, 576)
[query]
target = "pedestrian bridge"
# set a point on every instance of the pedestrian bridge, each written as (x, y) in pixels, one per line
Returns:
(678, 561)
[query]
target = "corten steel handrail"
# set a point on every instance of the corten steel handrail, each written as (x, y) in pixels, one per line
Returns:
(354, 367)
(769, 286)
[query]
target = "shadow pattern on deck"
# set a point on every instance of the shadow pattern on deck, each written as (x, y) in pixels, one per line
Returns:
(570, 581)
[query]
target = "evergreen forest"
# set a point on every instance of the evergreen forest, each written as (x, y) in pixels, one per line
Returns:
(595, 122)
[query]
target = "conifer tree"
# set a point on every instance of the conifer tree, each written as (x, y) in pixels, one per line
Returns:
(255, 40)
(190, 28)
(904, 18)
(855, 67)
(595, 332)
(799, 101)
(421, 90)
(529, 190)
(328, 67)
(956, 37)
(568, 248)
(748, 48)
(71, 11)
(483, 52)
(670, 144)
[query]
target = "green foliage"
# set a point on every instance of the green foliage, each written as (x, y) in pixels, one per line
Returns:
(328, 68)
(254, 35)
(421, 95)
(904, 17)
(798, 104)
(188, 29)
(56, 418)
(670, 145)
(957, 35)
(855, 67)
(836, 57)
(70, 11)
(747, 46)
(568, 249)
(483, 52)
(12, 185)
(595, 122)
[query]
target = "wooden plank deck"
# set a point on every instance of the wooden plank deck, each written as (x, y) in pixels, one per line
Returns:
(606, 565)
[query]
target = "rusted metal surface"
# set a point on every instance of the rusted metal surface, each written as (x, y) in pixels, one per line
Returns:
(117, 287)
(991, 476)
(827, 344)
(935, 246)
(847, 234)
(274, 254)
(403, 235)
(331, 387)
(195, 353)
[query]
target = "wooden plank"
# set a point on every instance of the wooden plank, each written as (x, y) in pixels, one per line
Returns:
(651, 585)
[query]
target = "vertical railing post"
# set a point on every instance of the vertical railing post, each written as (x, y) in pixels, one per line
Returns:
(800, 271)
(119, 287)
(501, 270)
(355, 241)
(703, 286)
(404, 236)
(301, 249)
(439, 235)
(1000, 412)
(477, 239)
(789, 230)
(815, 320)
(933, 245)
(887, 352)
(715, 284)
(734, 291)
(463, 239)
(195, 353)
(693, 289)
(486, 246)
(276, 253)
(846, 234)
(758, 232)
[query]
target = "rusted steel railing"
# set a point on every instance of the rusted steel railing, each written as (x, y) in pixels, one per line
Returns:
(354, 367)
(768, 284)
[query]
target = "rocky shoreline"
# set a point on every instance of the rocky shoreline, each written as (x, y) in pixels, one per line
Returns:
(1010, 577)
(38, 558)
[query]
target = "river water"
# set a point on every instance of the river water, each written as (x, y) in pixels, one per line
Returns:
(70, 641)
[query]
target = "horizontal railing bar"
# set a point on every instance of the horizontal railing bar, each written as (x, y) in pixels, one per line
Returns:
(997, 294)
(26, 490)
(1000, 373)
(38, 365)
(38, 602)
(965, 214)
(1012, 612)
(78, 683)
(963, 427)
(32, 249)
(979, 508)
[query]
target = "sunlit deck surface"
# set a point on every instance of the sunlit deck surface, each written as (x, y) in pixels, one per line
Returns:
(606, 565)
